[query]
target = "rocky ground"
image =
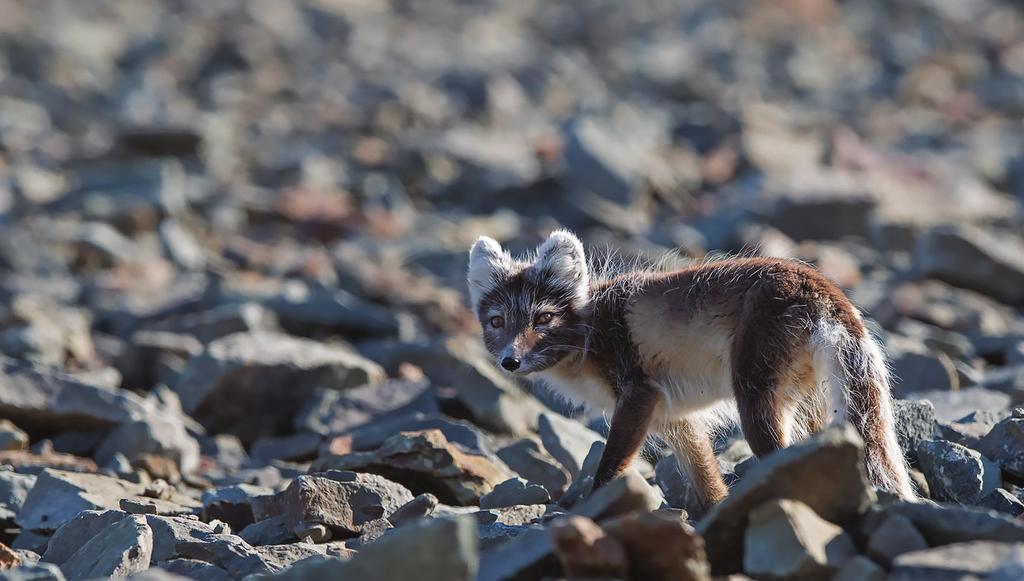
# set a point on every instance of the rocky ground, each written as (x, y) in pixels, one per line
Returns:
(232, 246)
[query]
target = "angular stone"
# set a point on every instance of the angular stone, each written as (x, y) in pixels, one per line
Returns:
(916, 370)
(298, 447)
(421, 506)
(227, 552)
(345, 502)
(973, 258)
(787, 540)
(660, 545)
(951, 405)
(59, 496)
(626, 493)
(430, 550)
(956, 473)
(424, 462)
(1002, 501)
(373, 435)
(826, 472)
(514, 491)
(221, 321)
(526, 458)
(235, 385)
(530, 555)
(1004, 444)
(946, 524)
(14, 488)
(195, 569)
(586, 551)
(11, 436)
(967, 560)
(87, 524)
(860, 568)
(676, 486)
(271, 531)
(168, 532)
(568, 441)
(33, 572)
(334, 412)
(118, 550)
(895, 536)
(233, 504)
(40, 399)
(161, 435)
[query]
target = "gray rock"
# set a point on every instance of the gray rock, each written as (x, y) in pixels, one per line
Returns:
(530, 555)
(169, 532)
(226, 450)
(826, 472)
(314, 311)
(514, 491)
(787, 540)
(221, 321)
(280, 557)
(38, 398)
(1002, 501)
(818, 205)
(344, 502)
(951, 405)
(59, 496)
(373, 435)
(945, 524)
(334, 412)
(295, 448)
(270, 531)
(895, 536)
(33, 572)
(421, 506)
(586, 551)
(972, 258)
(227, 552)
(968, 560)
(1004, 444)
(195, 569)
(14, 488)
(181, 246)
(159, 434)
(568, 441)
(860, 568)
(11, 436)
(955, 473)
(70, 537)
(437, 549)
(916, 370)
(626, 493)
(526, 458)
(425, 462)
(118, 550)
(235, 385)
(233, 504)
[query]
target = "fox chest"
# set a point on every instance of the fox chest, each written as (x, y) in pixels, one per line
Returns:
(581, 385)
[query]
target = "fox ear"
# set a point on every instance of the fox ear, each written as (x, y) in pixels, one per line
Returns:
(487, 264)
(561, 258)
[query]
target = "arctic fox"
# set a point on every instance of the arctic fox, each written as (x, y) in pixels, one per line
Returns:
(668, 352)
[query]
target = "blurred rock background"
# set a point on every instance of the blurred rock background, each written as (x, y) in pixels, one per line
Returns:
(233, 240)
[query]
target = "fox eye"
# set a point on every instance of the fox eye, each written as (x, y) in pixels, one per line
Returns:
(545, 318)
(497, 321)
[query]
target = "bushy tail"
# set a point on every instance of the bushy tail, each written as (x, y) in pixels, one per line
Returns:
(859, 390)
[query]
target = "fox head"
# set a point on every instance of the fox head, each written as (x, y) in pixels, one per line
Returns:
(531, 311)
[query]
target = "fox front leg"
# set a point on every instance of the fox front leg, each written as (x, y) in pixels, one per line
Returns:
(630, 425)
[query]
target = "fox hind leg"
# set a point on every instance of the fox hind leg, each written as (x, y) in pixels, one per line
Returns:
(691, 443)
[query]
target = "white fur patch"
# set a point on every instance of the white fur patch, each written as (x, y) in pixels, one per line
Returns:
(561, 257)
(487, 264)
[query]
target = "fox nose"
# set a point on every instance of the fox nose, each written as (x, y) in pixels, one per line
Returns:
(510, 363)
